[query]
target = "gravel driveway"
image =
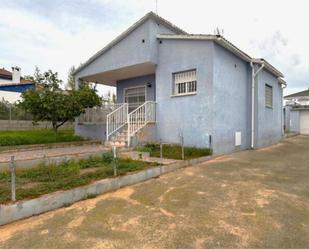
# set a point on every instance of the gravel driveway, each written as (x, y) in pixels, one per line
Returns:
(250, 199)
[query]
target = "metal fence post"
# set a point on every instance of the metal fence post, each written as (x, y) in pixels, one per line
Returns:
(182, 148)
(210, 141)
(13, 178)
(44, 160)
(10, 113)
(114, 160)
(161, 150)
(161, 156)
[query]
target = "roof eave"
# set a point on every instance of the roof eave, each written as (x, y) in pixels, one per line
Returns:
(127, 32)
(228, 45)
(298, 94)
(269, 67)
(218, 39)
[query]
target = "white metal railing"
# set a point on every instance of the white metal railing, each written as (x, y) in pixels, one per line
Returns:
(140, 117)
(116, 120)
(97, 115)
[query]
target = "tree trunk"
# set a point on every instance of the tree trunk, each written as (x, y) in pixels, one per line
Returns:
(62, 123)
(55, 127)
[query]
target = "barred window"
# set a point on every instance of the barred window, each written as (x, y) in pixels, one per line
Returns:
(135, 97)
(185, 82)
(268, 96)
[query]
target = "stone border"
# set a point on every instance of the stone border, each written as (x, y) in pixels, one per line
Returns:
(48, 160)
(48, 202)
(29, 147)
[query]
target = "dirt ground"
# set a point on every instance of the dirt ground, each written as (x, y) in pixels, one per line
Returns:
(250, 199)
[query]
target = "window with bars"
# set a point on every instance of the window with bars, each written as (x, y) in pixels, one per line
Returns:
(135, 97)
(268, 96)
(184, 82)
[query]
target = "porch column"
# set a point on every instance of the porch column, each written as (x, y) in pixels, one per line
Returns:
(77, 83)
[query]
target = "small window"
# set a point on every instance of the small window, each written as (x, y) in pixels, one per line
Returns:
(268, 96)
(184, 82)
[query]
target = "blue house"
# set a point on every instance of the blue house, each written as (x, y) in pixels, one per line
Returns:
(171, 84)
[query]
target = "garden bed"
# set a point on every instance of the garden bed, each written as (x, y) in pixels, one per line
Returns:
(42, 136)
(44, 179)
(172, 151)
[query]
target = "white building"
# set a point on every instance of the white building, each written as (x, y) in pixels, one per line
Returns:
(296, 112)
(12, 84)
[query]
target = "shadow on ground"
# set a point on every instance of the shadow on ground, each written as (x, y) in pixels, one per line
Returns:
(256, 199)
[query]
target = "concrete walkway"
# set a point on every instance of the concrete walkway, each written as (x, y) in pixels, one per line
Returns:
(51, 152)
(251, 199)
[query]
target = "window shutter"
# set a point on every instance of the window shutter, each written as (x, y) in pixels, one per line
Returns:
(185, 82)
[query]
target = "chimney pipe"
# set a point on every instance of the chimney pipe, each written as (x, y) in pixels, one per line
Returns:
(16, 74)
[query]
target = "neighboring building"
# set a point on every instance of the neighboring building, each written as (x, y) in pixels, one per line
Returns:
(201, 86)
(12, 84)
(296, 112)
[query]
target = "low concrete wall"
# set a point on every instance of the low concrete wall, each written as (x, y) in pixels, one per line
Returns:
(56, 160)
(29, 147)
(91, 131)
(45, 203)
(6, 125)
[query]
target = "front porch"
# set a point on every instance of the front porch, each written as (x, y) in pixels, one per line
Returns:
(118, 123)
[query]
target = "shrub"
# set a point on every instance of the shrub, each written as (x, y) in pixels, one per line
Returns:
(174, 151)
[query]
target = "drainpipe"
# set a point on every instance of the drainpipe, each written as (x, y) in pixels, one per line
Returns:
(283, 86)
(254, 74)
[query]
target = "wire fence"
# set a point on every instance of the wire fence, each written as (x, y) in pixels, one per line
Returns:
(18, 182)
(12, 112)
(13, 117)
(97, 114)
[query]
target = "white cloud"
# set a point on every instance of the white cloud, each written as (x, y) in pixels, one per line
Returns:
(67, 35)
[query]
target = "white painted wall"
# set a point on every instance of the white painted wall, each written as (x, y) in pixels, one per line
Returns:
(4, 82)
(304, 122)
(10, 96)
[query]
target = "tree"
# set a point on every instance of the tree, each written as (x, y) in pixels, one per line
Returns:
(110, 97)
(71, 79)
(35, 77)
(48, 102)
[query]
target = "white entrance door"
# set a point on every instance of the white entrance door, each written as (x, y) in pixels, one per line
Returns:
(135, 96)
(304, 122)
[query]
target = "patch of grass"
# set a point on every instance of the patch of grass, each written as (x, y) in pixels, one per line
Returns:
(174, 151)
(41, 136)
(44, 179)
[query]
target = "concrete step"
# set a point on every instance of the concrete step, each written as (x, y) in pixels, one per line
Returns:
(115, 143)
(118, 138)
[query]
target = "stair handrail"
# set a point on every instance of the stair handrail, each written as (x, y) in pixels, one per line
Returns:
(140, 117)
(116, 119)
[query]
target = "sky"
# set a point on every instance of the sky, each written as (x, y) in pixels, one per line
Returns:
(59, 34)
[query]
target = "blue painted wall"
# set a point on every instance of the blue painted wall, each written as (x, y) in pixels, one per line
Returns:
(294, 121)
(231, 101)
(138, 81)
(129, 51)
(269, 120)
(17, 88)
(187, 115)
